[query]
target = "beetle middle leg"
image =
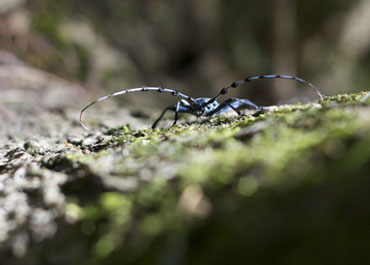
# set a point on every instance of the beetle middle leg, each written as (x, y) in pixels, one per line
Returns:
(182, 106)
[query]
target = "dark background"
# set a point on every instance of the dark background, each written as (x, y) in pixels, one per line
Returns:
(194, 46)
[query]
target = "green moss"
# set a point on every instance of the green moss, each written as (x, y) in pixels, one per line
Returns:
(241, 167)
(212, 153)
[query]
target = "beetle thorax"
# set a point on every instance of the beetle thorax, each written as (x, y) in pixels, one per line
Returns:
(202, 108)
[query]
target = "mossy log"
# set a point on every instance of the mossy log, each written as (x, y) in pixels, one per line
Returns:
(287, 187)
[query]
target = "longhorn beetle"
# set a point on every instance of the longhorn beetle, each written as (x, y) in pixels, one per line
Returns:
(204, 106)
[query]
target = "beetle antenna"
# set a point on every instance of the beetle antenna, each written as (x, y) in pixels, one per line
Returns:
(257, 77)
(131, 90)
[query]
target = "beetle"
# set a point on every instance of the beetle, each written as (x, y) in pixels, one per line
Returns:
(204, 106)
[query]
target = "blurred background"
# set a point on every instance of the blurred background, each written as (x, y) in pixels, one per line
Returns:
(194, 46)
(58, 55)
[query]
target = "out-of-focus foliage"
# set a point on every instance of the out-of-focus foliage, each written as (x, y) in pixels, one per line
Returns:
(195, 46)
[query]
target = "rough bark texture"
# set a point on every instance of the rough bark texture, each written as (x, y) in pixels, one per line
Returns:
(287, 187)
